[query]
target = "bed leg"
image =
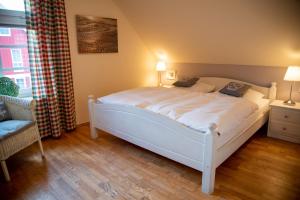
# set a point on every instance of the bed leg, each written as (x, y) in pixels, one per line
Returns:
(91, 101)
(209, 169)
(208, 180)
(94, 133)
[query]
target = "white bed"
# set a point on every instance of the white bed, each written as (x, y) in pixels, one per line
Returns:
(202, 149)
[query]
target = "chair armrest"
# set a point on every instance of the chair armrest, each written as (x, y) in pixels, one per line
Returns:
(20, 108)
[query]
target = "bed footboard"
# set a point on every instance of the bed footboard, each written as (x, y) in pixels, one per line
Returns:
(158, 134)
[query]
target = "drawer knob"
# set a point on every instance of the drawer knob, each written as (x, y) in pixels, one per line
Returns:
(284, 129)
(285, 116)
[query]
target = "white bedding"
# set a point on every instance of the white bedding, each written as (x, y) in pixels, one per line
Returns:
(193, 109)
(142, 97)
(244, 124)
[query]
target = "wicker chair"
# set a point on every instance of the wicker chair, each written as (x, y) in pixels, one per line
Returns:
(22, 112)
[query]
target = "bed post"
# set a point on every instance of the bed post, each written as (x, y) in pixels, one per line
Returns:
(209, 169)
(91, 101)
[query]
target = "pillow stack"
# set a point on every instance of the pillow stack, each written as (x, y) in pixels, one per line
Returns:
(195, 85)
(235, 89)
(242, 90)
(186, 83)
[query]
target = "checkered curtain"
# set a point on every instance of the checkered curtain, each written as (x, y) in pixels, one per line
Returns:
(50, 66)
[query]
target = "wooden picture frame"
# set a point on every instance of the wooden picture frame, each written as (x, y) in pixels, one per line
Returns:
(96, 34)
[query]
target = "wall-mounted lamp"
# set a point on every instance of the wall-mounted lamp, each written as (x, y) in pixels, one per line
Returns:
(292, 74)
(160, 67)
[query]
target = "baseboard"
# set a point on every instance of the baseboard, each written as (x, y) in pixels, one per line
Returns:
(83, 124)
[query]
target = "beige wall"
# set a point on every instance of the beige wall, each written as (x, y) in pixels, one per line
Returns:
(247, 32)
(242, 39)
(100, 74)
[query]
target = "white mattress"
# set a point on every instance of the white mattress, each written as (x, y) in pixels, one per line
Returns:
(195, 110)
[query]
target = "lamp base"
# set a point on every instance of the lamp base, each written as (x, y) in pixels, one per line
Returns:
(290, 102)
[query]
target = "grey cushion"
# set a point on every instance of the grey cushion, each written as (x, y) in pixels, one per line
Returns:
(4, 113)
(11, 127)
(186, 83)
(235, 89)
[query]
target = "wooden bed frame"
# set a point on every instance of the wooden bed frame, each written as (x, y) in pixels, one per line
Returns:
(171, 139)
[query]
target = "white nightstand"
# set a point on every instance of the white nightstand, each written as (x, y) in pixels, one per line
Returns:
(284, 121)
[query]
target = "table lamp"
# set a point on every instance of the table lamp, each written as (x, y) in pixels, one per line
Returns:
(160, 67)
(292, 74)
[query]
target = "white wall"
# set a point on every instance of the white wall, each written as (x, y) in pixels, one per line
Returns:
(100, 74)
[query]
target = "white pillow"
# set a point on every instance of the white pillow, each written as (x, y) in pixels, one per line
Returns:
(202, 87)
(253, 95)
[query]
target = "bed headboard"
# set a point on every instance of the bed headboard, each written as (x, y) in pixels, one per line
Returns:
(219, 82)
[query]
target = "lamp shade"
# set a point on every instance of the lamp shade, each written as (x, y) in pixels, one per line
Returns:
(161, 66)
(292, 73)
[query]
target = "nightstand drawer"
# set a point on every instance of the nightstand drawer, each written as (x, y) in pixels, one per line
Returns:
(290, 130)
(286, 115)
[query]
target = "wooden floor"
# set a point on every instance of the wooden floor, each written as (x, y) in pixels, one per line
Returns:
(77, 167)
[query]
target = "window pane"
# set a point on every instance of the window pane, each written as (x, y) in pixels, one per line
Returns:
(20, 82)
(17, 61)
(16, 55)
(17, 5)
(4, 32)
(14, 61)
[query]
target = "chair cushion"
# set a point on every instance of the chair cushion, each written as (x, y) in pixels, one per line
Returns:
(12, 127)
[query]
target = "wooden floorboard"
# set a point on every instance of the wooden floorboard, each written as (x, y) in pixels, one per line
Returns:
(77, 167)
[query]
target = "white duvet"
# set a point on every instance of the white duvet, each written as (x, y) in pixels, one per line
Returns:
(193, 109)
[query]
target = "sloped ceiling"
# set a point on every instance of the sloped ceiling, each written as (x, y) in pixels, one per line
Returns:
(251, 32)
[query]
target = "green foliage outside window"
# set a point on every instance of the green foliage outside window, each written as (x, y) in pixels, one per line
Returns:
(8, 87)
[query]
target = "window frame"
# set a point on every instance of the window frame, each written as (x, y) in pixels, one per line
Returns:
(15, 19)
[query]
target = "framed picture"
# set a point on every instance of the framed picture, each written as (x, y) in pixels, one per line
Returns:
(96, 34)
(170, 74)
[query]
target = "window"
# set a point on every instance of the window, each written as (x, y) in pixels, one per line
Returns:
(4, 32)
(20, 82)
(17, 61)
(13, 45)
(17, 5)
